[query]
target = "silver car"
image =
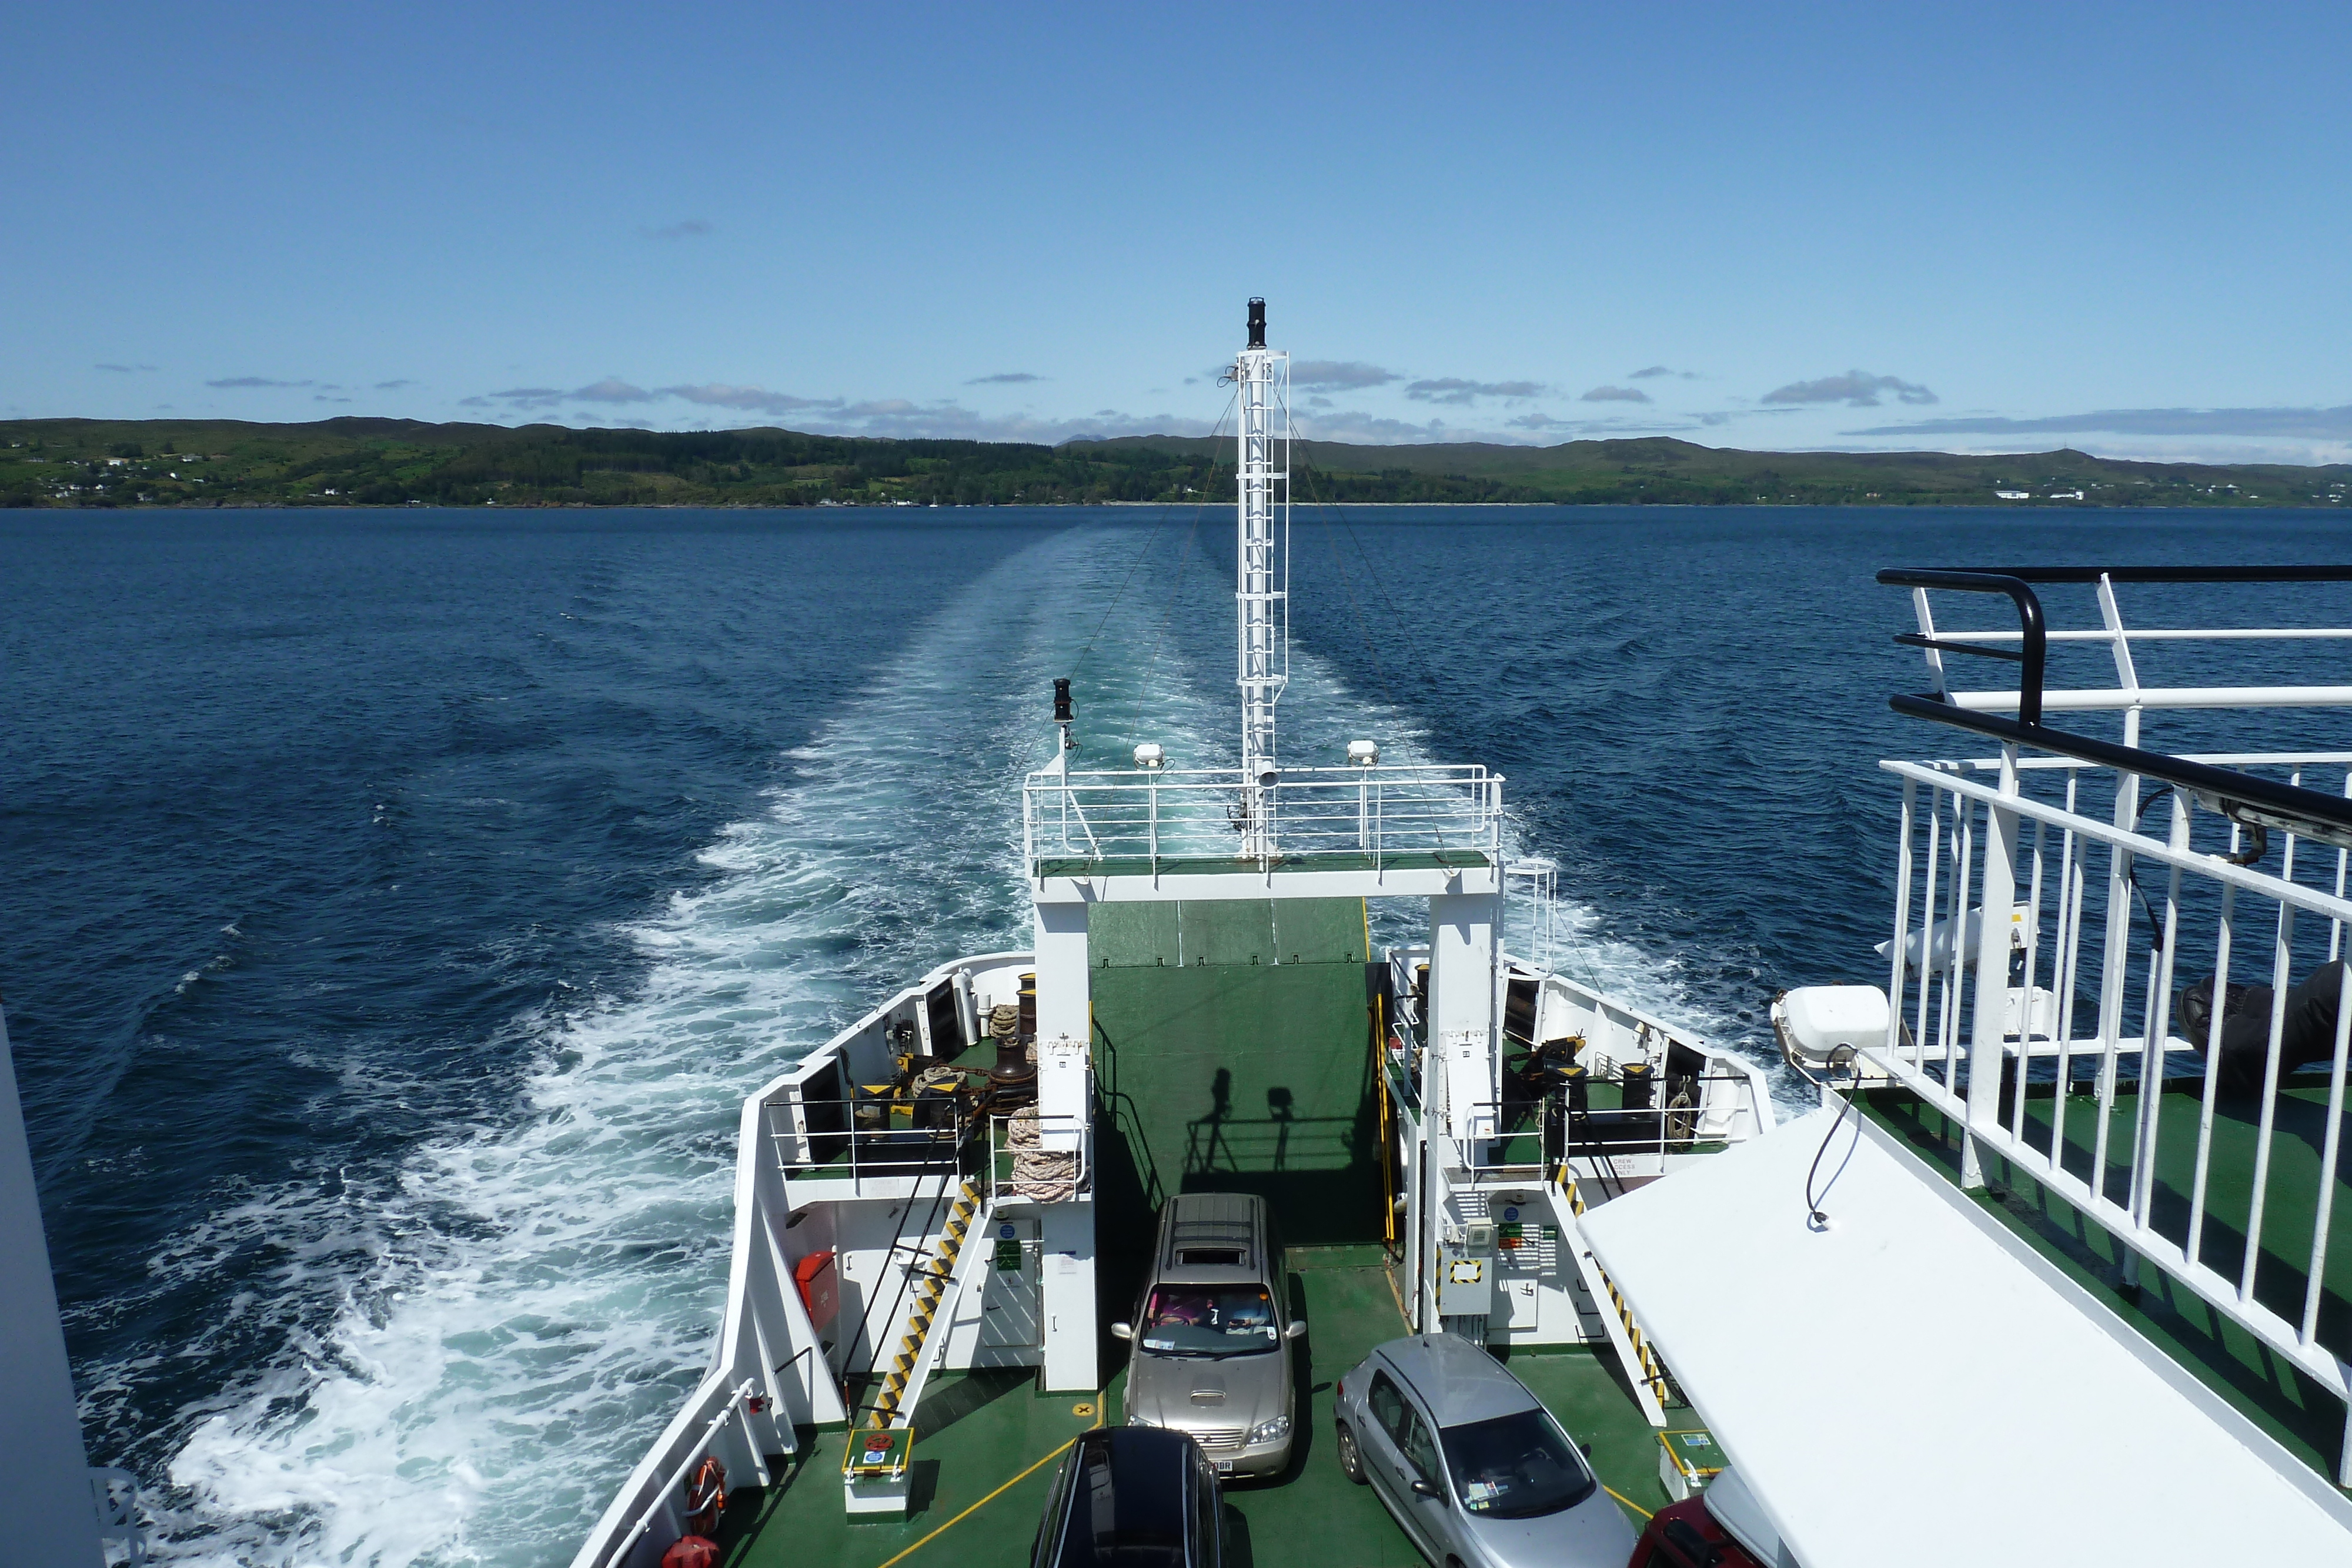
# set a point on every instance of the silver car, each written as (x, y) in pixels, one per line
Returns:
(1471, 1464)
(1212, 1334)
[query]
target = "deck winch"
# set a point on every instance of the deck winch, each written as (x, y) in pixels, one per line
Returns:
(1012, 1082)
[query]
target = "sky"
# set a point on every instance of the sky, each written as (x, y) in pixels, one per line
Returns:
(1976, 227)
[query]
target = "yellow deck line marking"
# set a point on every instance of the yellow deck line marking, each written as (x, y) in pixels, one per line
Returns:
(1396, 1295)
(984, 1502)
(1613, 1491)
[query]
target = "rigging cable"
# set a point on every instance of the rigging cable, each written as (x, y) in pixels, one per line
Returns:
(1119, 592)
(1145, 548)
(1184, 562)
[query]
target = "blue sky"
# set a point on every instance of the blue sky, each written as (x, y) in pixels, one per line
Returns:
(1973, 227)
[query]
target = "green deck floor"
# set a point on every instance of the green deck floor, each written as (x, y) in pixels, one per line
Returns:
(2299, 1413)
(979, 1438)
(1233, 1052)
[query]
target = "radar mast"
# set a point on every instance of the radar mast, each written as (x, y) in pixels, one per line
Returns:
(1263, 579)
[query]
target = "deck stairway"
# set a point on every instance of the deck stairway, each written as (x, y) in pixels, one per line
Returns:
(1652, 1389)
(940, 1278)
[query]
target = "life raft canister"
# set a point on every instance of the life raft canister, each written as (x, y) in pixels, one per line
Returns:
(819, 1283)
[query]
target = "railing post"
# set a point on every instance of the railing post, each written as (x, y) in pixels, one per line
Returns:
(2114, 963)
(1901, 960)
(2159, 1028)
(1928, 922)
(1998, 890)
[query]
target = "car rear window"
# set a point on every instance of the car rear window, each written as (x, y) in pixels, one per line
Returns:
(1515, 1467)
(1126, 1510)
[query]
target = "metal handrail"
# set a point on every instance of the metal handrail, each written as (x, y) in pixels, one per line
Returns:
(661, 1496)
(2035, 657)
(114, 1492)
(926, 1149)
(2017, 582)
(2248, 801)
(2242, 797)
(1177, 813)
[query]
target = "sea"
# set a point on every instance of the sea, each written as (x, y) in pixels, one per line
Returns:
(398, 904)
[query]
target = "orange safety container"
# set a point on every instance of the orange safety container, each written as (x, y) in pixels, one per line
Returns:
(820, 1287)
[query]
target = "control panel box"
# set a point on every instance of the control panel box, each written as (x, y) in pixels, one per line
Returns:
(1465, 1270)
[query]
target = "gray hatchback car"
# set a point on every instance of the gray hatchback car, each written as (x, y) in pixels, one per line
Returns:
(1471, 1464)
(1212, 1333)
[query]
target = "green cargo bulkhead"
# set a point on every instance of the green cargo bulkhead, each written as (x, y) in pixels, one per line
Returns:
(1233, 1053)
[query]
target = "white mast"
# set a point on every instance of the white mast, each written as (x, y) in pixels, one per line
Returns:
(1262, 588)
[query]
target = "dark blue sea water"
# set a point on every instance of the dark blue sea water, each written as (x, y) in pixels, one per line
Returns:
(398, 904)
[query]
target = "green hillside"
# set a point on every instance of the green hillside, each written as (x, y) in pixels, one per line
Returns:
(396, 461)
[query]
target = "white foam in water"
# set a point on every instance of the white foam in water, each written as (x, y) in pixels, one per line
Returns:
(522, 1307)
(1318, 707)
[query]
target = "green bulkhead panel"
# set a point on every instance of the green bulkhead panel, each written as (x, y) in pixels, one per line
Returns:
(1133, 937)
(1238, 1061)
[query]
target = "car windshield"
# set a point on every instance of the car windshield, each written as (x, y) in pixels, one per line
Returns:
(1208, 1320)
(1515, 1467)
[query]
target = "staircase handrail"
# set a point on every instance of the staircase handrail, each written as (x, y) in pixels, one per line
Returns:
(942, 1323)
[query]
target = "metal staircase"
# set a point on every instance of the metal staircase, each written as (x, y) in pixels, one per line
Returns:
(1651, 1387)
(917, 1350)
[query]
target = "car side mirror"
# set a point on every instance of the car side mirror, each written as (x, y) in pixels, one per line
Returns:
(1585, 1448)
(1297, 1330)
(1122, 1331)
(1422, 1488)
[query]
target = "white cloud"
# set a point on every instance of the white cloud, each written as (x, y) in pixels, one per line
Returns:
(1855, 389)
(750, 399)
(1338, 375)
(2270, 424)
(1457, 391)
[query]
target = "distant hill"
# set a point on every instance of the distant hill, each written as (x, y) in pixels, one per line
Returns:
(394, 462)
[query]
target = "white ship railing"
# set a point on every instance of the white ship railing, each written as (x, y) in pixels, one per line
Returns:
(2130, 876)
(1376, 815)
(863, 1144)
(690, 1439)
(115, 1494)
(2130, 694)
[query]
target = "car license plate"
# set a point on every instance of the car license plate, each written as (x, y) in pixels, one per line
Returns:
(1224, 1466)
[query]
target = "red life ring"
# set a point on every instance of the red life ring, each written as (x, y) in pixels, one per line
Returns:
(706, 1496)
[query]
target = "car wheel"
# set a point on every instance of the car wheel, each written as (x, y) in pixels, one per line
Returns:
(1351, 1460)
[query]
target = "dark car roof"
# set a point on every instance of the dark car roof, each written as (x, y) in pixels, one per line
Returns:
(1141, 1471)
(1459, 1381)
